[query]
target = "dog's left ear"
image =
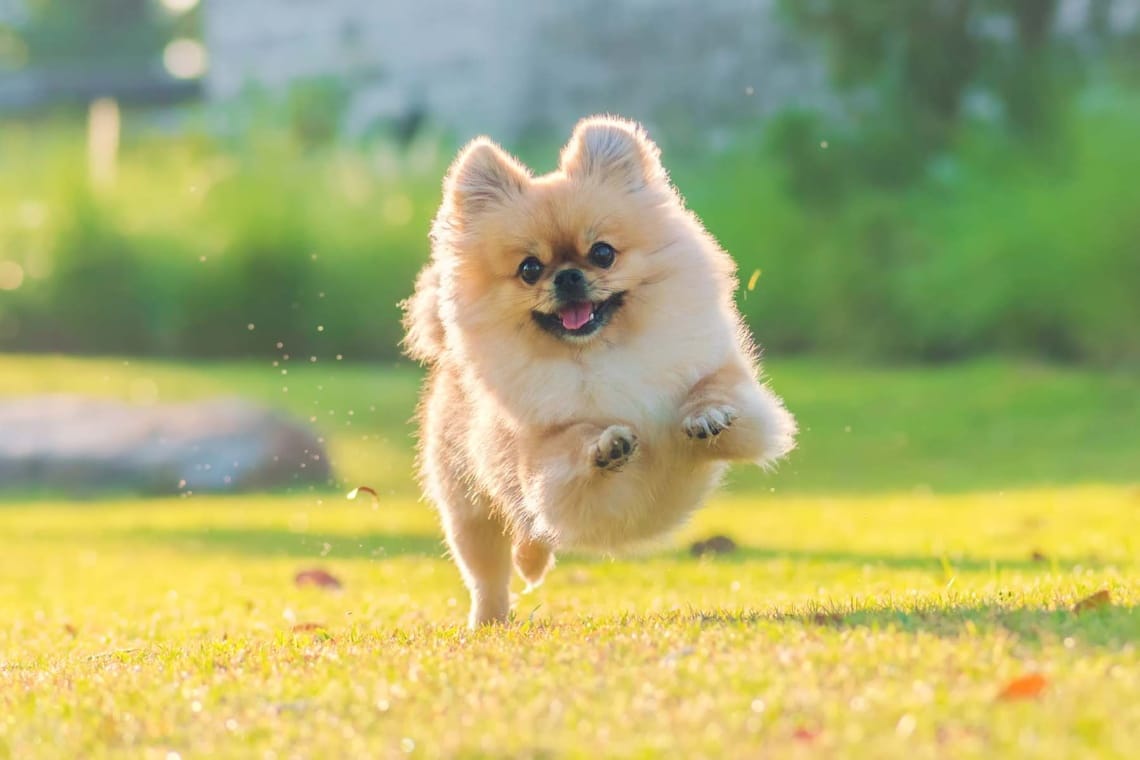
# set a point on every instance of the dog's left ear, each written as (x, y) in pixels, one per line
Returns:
(610, 148)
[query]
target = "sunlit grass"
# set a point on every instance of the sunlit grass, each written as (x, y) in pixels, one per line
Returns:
(873, 626)
(889, 580)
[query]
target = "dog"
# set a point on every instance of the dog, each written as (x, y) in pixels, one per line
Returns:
(589, 377)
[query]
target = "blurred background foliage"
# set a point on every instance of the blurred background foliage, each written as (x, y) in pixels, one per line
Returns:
(971, 190)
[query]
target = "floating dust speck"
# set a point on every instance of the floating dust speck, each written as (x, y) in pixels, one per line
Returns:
(251, 327)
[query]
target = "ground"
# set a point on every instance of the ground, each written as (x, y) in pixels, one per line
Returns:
(923, 551)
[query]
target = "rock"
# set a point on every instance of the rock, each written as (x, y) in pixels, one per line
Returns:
(77, 444)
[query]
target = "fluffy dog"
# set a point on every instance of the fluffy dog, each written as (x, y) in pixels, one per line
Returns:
(589, 376)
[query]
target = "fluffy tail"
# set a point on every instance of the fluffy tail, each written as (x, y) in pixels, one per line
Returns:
(423, 329)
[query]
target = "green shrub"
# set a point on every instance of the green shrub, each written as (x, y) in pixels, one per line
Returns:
(1000, 250)
(1007, 252)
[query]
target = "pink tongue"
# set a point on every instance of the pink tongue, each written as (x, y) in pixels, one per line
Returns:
(576, 314)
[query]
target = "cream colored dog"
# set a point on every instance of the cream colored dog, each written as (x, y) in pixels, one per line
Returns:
(589, 376)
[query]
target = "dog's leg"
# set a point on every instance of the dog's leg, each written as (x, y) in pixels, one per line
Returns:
(729, 415)
(556, 465)
(567, 456)
(482, 550)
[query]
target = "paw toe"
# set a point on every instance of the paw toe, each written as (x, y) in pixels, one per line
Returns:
(615, 447)
(709, 423)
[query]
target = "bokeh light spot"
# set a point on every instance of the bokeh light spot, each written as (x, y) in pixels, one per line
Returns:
(11, 275)
(185, 59)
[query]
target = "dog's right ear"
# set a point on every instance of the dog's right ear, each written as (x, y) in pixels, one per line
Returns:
(483, 176)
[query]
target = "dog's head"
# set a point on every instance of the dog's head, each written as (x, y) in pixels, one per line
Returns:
(567, 258)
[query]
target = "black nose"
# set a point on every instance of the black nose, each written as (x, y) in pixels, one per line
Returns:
(568, 279)
(570, 285)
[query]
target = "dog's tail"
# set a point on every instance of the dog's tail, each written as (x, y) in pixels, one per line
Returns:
(423, 329)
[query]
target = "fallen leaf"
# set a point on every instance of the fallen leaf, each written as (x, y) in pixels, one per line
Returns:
(713, 545)
(803, 734)
(1038, 556)
(71, 630)
(827, 618)
(1100, 599)
(1024, 687)
(308, 627)
(753, 280)
(317, 577)
(364, 489)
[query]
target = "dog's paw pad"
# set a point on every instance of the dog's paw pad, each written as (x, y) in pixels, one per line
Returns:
(614, 448)
(709, 423)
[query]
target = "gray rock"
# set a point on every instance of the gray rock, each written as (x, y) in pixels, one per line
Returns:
(76, 444)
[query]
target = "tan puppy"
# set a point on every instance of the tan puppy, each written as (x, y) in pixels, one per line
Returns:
(589, 374)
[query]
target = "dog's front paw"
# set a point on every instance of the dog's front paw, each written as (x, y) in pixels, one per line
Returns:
(709, 423)
(614, 448)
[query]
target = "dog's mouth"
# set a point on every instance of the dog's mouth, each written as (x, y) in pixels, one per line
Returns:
(580, 318)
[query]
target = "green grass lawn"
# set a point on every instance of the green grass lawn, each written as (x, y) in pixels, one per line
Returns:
(924, 547)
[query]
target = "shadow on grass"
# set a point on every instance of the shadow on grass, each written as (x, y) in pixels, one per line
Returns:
(1108, 627)
(281, 542)
(927, 562)
(278, 542)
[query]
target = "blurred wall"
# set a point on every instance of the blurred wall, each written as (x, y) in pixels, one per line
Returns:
(512, 68)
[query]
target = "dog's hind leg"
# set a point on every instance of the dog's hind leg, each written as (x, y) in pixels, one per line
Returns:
(533, 558)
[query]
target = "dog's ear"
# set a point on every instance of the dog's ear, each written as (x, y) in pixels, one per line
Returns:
(483, 175)
(609, 148)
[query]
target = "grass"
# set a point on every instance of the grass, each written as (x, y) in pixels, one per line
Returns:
(873, 627)
(897, 579)
(982, 425)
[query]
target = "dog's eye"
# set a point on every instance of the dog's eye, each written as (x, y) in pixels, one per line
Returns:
(530, 270)
(602, 255)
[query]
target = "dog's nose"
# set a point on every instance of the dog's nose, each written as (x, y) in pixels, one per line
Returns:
(569, 279)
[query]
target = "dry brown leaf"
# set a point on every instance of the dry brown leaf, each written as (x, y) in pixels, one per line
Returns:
(1038, 556)
(71, 630)
(804, 734)
(317, 577)
(364, 489)
(1024, 687)
(308, 627)
(1100, 599)
(713, 545)
(827, 618)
